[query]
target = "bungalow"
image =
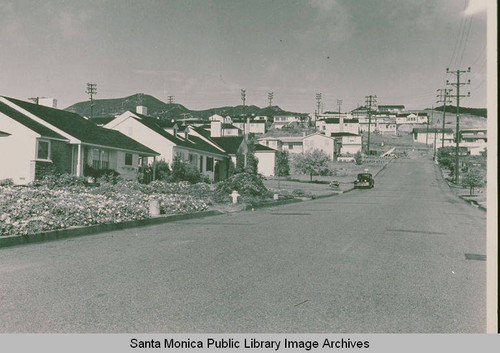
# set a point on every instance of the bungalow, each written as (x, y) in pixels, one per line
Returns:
(318, 141)
(282, 120)
(216, 117)
(391, 108)
(348, 143)
(411, 118)
(429, 135)
(44, 138)
(338, 125)
(475, 140)
(292, 144)
(211, 160)
(248, 125)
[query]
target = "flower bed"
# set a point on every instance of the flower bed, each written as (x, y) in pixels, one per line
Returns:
(33, 209)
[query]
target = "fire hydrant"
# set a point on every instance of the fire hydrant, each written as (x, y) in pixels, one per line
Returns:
(235, 196)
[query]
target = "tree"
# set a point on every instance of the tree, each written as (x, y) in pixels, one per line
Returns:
(358, 158)
(312, 163)
(446, 157)
(282, 167)
(473, 178)
(252, 161)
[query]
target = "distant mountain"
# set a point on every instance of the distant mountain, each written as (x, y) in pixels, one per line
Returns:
(463, 110)
(166, 111)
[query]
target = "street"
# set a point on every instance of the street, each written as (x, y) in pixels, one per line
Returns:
(389, 260)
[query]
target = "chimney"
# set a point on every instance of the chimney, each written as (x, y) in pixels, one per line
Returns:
(140, 109)
(186, 133)
(175, 128)
(215, 129)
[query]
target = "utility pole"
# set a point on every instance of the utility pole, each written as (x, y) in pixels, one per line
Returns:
(444, 97)
(339, 103)
(427, 130)
(243, 96)
(91, 90)
(457, 134)
(270, 97)
(318, 102)
(171, 99)
(370, 101)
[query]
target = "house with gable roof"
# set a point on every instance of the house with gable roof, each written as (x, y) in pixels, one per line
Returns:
(210, 159)
(43, 138)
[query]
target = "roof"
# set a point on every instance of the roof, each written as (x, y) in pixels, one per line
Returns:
(230, 144)
(3, 133)
(338, 134)
(262, 148)
(29, 123)
(79, 128)
(391, 106)
(422, 130)
(102, 120)
(193, 142)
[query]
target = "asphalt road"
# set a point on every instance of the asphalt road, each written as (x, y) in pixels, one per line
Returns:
(390, 259)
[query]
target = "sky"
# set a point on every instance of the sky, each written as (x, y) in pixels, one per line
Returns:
(203, 52)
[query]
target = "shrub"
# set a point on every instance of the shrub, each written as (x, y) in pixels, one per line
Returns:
(182, 171)
(282, 166)
(245, 183)
(358, 158)
(6, 182)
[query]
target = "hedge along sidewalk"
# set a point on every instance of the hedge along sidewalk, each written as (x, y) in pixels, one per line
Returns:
(13, 240)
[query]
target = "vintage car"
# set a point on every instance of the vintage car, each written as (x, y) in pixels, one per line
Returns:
(364, 181)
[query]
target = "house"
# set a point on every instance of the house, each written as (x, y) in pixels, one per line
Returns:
(44, 138)
(266, 157)
(475, 140)
(411, 118)
(292, 144)
(348, 143)
(318, 141)
(338, 125)
(391, 108)
(211, 160)
(272, 142)
(429, 135)
(282, 120)
(216, 117)
(248, 125)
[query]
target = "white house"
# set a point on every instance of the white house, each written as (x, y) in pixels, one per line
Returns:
(266, 159)
(248, 125)
(428, 136)
(210, 159)
(318, 141)
(43, 138)
(282, 120)
(348, 143)
(391, 108)
(475, 140)
(224, 120)
(338, 125)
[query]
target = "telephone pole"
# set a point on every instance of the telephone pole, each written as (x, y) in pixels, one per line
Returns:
(339, 103)
(91, 90)
(318, 102)
(444, 97)
(171, 99)
(243, 96)
(427, 130)
(457, 97)
(270, 97)
(370, 101)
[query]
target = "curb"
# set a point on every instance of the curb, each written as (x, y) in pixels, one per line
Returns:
(13, 240)
(272, 204)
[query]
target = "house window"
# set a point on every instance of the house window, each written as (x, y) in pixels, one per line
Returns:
(210, 164)
(104, 160)
(128, 158)
(43, 150)
(290, 146)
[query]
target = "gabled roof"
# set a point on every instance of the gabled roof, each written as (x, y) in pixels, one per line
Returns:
(79, 128)
(102, 120)
(193, 142)
(262, 148)
(230, 144)
(29, 123)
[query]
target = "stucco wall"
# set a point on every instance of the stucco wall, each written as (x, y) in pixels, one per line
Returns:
(266, 164)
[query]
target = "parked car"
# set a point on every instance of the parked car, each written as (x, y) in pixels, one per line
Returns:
(364, 181)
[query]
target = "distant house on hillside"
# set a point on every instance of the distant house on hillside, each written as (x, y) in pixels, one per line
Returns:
(282, 120)
(46, 139)
(338, 125)
(429, 135)
(475, 140)
(348, 143)
(249, 125)
(391, 108)
(318, 141)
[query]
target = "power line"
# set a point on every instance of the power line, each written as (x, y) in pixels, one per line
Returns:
(270, 97)
(443, 98)
(91, 90)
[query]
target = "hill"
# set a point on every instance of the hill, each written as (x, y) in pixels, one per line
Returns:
(166, 111)
(482, 112)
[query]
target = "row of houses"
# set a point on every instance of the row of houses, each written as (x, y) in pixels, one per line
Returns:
(35, 137)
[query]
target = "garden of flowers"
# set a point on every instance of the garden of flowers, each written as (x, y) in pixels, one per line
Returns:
(65, 201)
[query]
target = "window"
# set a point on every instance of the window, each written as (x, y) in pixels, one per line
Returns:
(128, 158)
(104, 160)
(201, 164)
(290, 146)
(43, 150)
(210, 164)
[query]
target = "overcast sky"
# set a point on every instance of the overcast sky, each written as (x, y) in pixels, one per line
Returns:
(204, 51)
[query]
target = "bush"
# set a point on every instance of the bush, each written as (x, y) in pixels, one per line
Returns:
(358, 158)
(182, 171)
(245, 184)
(6, 182)
(60, 181)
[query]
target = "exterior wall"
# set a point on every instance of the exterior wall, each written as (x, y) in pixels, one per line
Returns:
(291, 147)
(351, 144)
(266, 163)
(320, 142)
(142, 134)
(231, 132)
(274, 144)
